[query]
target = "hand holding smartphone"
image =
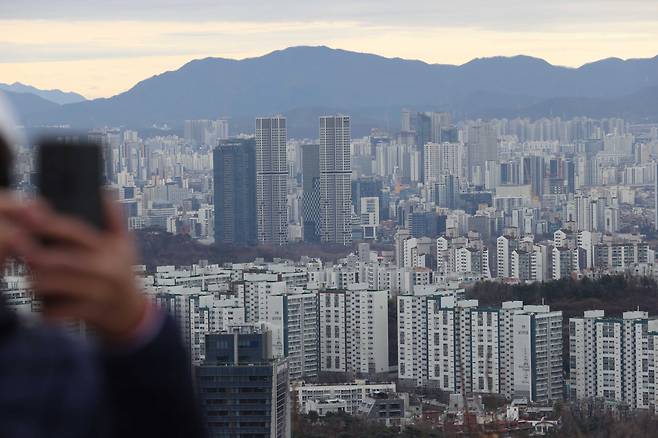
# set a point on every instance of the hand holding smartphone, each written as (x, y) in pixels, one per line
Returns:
(84, 272)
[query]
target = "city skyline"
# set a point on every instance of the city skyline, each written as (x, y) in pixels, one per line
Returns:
(358, 219)
(463, 278)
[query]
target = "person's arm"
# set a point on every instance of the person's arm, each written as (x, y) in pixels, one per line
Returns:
(149, 385)
(88, 275)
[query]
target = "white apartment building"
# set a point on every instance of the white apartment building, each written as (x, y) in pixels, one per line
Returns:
(419, 361)
(614, 358)
(410, 256)
(354, 330)
(183, 304)
(449, 320)
(222, 312)
(257, 290)
(412, 334)
(528, 265)
(565, 262)
(506, 337)
(457, 346)
(503, 257)
(537, 338)
(367, 330)
(442, 159)
(333, 317)
(293, 320)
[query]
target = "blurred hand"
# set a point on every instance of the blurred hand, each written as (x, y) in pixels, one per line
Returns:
(14, 239)
(87, 274)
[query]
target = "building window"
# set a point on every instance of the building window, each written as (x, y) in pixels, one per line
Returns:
(608, 331)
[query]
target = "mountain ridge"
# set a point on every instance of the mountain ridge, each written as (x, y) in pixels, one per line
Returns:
(53, 95)
(319, 76)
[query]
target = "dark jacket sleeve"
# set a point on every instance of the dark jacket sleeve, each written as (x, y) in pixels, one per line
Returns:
(150, 391)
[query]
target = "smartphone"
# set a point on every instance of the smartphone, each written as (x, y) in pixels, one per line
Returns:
(5, 164)
(70, 178)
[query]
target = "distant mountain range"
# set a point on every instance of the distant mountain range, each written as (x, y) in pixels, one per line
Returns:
(55, 96)
(304, 82)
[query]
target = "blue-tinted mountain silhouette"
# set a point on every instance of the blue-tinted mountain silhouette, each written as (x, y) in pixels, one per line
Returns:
(309, 80)
(55, 96)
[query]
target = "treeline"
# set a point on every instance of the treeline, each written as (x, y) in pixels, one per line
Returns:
(158, 248)
(614, 294)
(347, 426)
(591, 420)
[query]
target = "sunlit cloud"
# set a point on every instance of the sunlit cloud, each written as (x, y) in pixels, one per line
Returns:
(104, 57)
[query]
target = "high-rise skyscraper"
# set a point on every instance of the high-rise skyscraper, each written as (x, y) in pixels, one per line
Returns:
(482, 147)
(271, 180)
(571, 176)
(655, 192)
(534, 173)
(107, 152)
(335, 174)
(234, 174)
(447, 191)
(243, 391)
(442, 159)
(311, 187)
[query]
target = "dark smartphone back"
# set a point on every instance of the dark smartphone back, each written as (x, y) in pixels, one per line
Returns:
(70, 179)
(5, 163)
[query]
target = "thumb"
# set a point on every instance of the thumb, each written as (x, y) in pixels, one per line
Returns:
(115, 220)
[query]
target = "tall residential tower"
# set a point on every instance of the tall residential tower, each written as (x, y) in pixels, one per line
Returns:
(271, 181)
(311, 187)
(335, 184)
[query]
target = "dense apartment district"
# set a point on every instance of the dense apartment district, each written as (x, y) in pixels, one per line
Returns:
(423, 214)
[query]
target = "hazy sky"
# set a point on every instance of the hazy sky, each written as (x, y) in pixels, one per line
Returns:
(100, 48)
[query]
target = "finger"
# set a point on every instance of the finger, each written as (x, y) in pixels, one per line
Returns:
(62, 309)
(68, 261)
(114, 218)
(62, 285)
(12, 206)
(14, 240)
(48, 224)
